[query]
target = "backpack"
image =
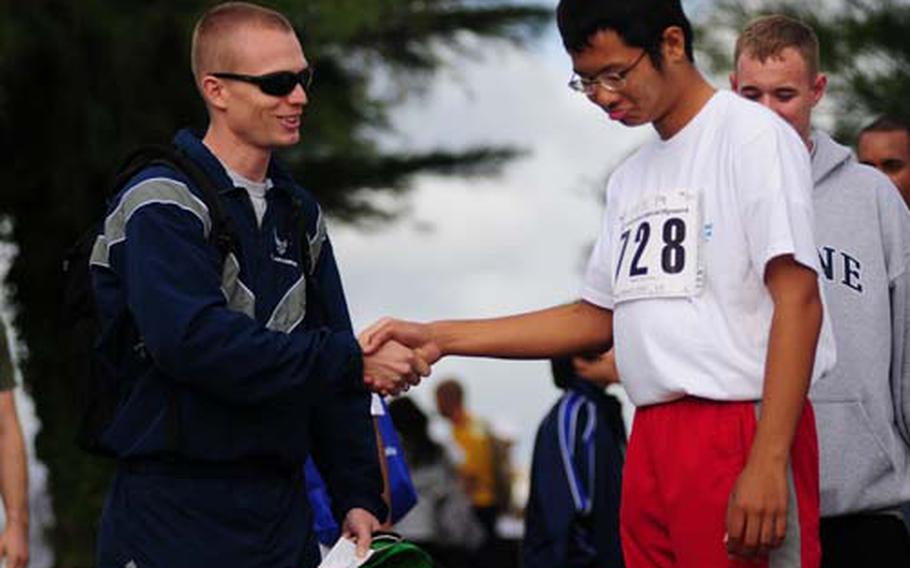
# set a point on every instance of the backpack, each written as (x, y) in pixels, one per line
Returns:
(99, 391)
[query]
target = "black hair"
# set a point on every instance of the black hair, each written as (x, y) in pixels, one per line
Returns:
(887, 123)
(639, 23)
(412, 425)
(563, 371)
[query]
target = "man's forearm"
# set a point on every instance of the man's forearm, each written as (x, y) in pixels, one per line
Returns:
(561, 330)
(13, 472)
(788, 371)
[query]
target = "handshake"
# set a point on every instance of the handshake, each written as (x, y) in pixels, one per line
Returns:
(397, 355)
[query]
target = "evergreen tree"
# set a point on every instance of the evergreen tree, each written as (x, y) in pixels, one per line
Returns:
(865, 50)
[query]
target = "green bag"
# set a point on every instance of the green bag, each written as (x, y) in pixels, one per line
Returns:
(391, 551)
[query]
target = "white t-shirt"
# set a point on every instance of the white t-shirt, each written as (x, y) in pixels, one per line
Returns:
(256, 190)
(691, 223)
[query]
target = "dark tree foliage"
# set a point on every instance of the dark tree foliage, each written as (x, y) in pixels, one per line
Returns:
(865, 50)
(81, 83)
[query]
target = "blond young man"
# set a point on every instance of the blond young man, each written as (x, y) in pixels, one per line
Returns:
(473, 437)
(233, 367)
(863, 239)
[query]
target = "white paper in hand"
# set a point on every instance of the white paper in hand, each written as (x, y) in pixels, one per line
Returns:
(344, 555)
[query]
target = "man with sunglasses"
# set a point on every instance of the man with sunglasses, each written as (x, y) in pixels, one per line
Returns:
(706, 276)
(234, 367)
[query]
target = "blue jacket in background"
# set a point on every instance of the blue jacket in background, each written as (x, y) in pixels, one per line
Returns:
(572, 515)
(402, 493)
(255, 356)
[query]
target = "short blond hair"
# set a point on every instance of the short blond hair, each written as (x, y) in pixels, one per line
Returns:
(768, 36)
(211, 50)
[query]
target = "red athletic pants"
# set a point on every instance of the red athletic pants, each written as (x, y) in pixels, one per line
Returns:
(682, 461)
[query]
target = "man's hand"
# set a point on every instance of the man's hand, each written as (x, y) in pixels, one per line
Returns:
(757, 511)
(417, 336)
(359, 525)
(601, 371)
(392, 368)
(14, 544)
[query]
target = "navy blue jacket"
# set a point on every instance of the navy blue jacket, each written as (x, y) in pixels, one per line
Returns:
(257, 359)
(572, 516)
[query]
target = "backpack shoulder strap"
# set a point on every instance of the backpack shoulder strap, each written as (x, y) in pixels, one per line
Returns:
(173, 157)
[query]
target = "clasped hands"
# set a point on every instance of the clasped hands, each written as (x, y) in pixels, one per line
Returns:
(396, 355)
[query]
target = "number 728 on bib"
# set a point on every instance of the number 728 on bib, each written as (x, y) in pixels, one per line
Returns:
(656, 248)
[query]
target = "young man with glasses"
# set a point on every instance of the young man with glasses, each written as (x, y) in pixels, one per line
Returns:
(863, 232)
(706, 277)
(234, 367)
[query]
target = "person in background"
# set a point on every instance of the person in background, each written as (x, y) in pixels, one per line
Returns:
(885, 145)
(443, 521)
(477, 468)
(13, 467)
(863, 239)
(572, 515)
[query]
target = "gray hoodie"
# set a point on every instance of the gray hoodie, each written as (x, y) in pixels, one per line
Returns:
(863, 406)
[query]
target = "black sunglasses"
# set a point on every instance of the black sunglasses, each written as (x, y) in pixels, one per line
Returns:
(278, 84)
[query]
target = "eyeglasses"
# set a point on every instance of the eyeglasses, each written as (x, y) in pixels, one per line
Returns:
(610, 80)
(278, 84)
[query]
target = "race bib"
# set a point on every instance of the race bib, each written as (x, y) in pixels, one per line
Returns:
(656, 249)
